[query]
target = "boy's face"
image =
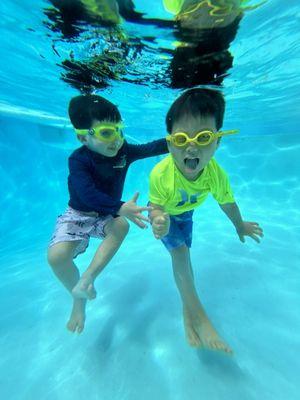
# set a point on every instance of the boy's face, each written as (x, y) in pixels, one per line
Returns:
(190, 159)
(107, 149)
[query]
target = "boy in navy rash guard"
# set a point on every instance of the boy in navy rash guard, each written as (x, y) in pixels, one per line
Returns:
(97, 172)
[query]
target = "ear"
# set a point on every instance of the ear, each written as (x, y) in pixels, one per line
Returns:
(169, 146)
(82, 139)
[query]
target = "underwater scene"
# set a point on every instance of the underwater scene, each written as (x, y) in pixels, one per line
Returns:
(149, 161)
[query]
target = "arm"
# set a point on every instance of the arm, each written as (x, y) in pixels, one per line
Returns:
(151, 149)
(243, 228)
(83, 184)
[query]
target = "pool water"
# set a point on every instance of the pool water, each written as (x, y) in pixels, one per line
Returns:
(133, 346)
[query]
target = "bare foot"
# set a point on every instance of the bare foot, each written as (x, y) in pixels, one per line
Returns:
(84, 289)
(201, 333)
(77, 318)
(190, 333)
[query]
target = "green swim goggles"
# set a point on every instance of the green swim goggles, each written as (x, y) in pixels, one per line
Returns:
(107, 133)
(202, 138)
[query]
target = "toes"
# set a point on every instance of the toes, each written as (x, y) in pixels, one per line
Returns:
(215, 345)
(193, 338)
(75, 326)
(221, 346)
(194, 341)
(71, 326)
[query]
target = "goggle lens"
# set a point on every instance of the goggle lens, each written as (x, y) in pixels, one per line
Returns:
(180, 140)
(107, 134)
(204, 138)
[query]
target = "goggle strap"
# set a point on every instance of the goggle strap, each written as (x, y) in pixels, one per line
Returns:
(82, 132)
(225, 133)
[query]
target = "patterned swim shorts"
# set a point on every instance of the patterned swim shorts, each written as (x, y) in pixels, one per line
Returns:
(76, 225)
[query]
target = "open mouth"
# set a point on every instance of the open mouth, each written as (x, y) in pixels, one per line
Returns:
(191, 163)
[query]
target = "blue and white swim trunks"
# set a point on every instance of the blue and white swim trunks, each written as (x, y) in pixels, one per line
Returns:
(180, 232)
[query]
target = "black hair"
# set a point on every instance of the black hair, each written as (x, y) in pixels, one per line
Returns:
(86, 108)
(197, 102)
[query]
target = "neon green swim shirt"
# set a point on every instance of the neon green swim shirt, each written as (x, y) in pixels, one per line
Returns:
(174, 6)
(171, 190)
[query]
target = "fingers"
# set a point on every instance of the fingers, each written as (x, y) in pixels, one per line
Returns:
(159, 228)
(257, 229)
(160, 221)
(254, 237)
(138, 222)
(135, 197)
(242, 239)
(159, 235)
(140, 209)
(160, 225)
(160, 231)
(141, 217)
(259, 232)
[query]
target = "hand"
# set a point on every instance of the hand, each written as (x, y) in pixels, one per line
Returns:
(251, 229)
(133, 212)
(161, 225)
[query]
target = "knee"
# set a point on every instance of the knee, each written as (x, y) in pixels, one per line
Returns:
(57, 257)
(121, 227)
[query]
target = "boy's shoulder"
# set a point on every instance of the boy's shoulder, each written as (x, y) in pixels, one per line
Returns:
(214, 167)
(79, 158)
(163, 167)
(215, 174)
(80, 153)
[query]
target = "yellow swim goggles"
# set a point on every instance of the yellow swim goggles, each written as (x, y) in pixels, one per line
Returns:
(202, 138)
(105, 132)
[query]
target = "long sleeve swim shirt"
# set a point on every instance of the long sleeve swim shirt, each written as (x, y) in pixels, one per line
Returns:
(96, 182)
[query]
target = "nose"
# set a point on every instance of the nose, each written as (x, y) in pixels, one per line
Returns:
(192, 148)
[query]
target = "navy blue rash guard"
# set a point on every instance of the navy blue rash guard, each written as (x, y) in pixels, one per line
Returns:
(96, 182)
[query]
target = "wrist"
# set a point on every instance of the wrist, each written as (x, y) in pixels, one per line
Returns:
(239, 226)
(120, 211)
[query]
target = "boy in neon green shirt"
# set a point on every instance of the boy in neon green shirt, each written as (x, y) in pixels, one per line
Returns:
(180, 183)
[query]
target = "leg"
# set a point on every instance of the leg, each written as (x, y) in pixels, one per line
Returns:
(60, 258)
(115, 232)
(199, 330)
